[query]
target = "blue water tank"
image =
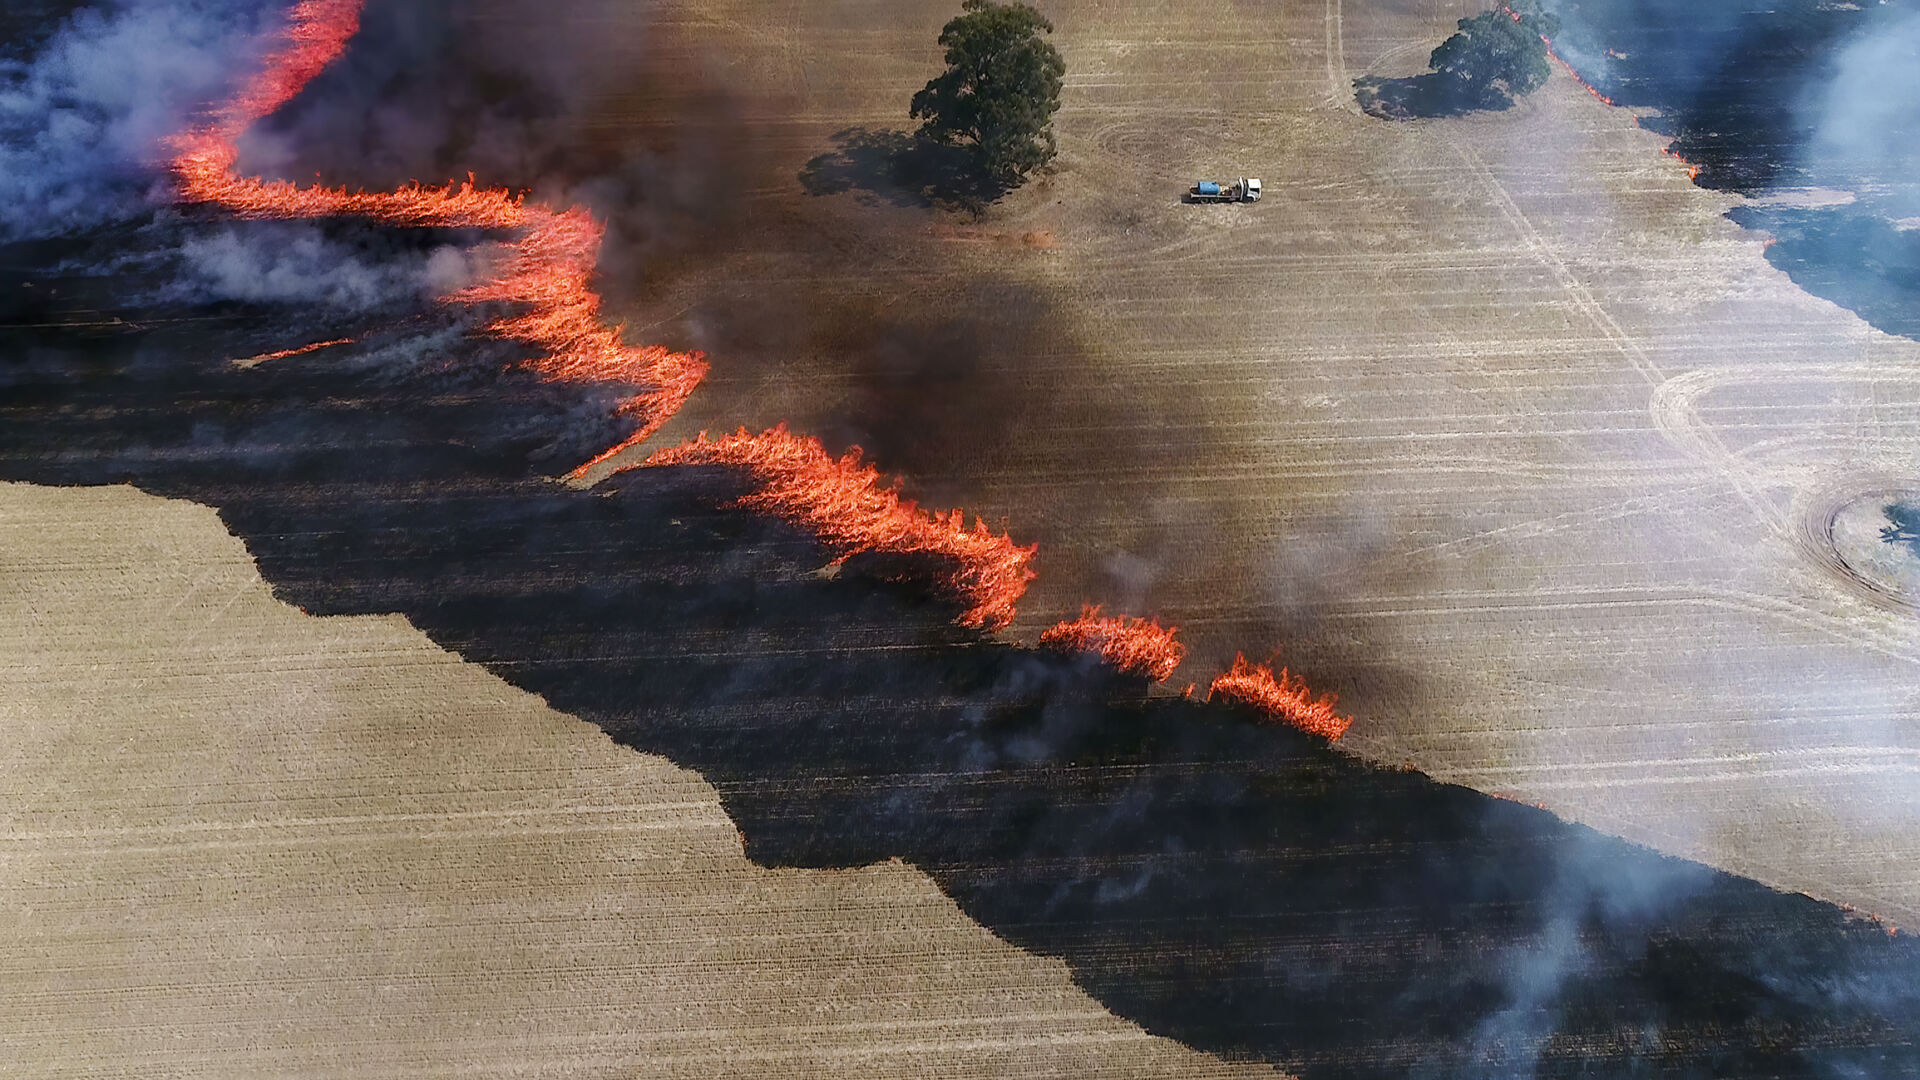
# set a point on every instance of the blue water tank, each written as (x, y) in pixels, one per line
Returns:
(1208, 187)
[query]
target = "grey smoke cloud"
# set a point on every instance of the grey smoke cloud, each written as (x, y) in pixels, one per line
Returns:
(81, 122)
(286, 262)
(1866, 118)
(1695, 37)
(429, 89)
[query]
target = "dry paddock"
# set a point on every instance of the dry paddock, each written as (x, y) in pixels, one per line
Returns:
(240, 841)
(1494, 425)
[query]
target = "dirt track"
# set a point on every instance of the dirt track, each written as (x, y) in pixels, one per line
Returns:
(1493, 425)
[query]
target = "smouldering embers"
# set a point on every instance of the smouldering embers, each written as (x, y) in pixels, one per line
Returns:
(546, 276)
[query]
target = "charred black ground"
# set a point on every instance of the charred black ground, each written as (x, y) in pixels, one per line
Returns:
(1239, 887)
(1738, 87)
(1727, 79)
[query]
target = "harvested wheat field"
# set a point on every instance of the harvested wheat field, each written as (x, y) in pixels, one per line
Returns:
(425, 750)
(243, 841)
(1493, 425)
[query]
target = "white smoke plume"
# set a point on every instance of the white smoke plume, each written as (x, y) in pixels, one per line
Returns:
(82, 120)
(1866, 119)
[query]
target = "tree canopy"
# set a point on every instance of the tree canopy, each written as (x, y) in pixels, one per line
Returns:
(1000, 90)
(1499, 54)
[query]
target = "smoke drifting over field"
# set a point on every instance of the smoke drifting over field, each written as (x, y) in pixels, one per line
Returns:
(425, 94)
(1811, 107)
(284, 262)
(846, 720)
(82, 119)
(1865, 117)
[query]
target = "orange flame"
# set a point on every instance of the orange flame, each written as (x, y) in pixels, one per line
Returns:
(1568, 68)
(1693, 170)
(549, 267)
(548, 272)
(282, 354)
(1286, 698)
(842, 501)
(1134, 645)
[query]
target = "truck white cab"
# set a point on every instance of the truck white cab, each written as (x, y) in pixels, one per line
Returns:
(1212, 191)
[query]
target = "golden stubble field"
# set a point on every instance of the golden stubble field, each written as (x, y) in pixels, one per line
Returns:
(237, 840)
(1494, 425)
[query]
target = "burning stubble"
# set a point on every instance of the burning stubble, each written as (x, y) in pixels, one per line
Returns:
(546, 276)
(548, 266)
(282, 354)
(1131, 644)
(844, 503)
(1285, 695)
(1320, 995)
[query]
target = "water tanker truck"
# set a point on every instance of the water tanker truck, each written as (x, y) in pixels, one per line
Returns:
(1213, 191)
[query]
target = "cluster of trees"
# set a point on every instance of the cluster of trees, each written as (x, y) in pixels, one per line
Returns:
(997, 97)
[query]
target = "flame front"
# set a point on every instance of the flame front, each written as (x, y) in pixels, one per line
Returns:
(1693, 170)
(546, 276)
(549, 267)
(1134, 645)
(842, 501)
(1285, 697)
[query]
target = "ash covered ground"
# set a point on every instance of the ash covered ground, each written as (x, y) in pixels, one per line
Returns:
(1398, 423)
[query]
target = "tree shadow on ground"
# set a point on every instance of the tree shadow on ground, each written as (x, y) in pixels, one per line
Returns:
(901, 169)
(1903, 526)
(1424, 97)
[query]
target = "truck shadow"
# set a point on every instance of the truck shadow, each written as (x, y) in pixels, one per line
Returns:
(900, 169)
(1243, 888)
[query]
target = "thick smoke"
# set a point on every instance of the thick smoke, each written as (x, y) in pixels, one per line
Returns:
(431, 89)
(1601, 38)
(428, 89)
(81, 122)
(422, 94)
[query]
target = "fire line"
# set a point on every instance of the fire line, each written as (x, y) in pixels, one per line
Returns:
(1285, 697)
(1693, 170)
(547, 276)
(1133, 645)
(282, 354)
(548, 268)
(842, 501)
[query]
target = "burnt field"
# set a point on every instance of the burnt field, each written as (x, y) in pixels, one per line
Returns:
(1803, 107)
(1495, 425)
(1237, 886)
